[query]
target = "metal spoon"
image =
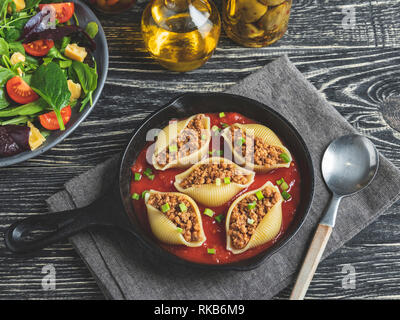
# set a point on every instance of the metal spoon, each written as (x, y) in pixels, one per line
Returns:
(349, 165)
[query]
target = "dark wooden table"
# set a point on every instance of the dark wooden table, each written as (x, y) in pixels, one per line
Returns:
(357, 69)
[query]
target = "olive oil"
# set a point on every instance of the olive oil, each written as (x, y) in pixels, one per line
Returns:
(181, 34)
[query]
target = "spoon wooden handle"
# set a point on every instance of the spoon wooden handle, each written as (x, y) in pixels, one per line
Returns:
(311, 261)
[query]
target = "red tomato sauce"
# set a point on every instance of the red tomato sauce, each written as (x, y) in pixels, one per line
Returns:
(215, 231)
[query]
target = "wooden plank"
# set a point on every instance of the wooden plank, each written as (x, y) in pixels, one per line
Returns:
(314, 24)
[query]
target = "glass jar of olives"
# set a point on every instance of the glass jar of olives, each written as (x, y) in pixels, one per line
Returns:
(256, 23)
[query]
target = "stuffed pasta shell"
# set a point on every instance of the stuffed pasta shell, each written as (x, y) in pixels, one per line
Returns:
(182, 143)
(174, 218)
(256, 147)
(254, 218)
(213, 181)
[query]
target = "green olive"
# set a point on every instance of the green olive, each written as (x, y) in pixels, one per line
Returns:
(251, 10)
(275, 17)
(271, 3)
(250, 31)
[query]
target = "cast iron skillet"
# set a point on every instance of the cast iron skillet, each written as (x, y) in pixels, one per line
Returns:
(115, 207)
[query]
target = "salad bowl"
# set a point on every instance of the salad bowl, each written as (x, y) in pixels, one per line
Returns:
(84, 15)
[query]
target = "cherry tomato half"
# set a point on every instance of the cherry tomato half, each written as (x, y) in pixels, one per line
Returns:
(64, 10)
(38, 48)
(20, 91)
(49, 120)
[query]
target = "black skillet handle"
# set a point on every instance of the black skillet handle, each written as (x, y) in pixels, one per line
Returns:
(54, 226)
(107, 211)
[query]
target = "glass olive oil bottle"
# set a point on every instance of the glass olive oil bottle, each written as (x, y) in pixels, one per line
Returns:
(181, 34)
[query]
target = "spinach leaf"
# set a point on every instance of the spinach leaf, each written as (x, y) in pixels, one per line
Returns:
(5, 75)
(87, 77)
(54, 53)
(16, 120)
(92, 29)
(50, 83)
(4, 103)
(16, 47)
(65, 64)
(25, 110)
(14, 30)
(4, 49)
(64, 43)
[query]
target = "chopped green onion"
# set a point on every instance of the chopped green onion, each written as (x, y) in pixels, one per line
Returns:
(211, 251)
(224, 125)
(209, 212)
(240, 141)
(284, 186)
(173, 148)
(151, 176)
(216, 152)
(147, 172)
(165, 207)
(203, 137)
(259, 195)
(222, 114)
(215, 129)
(183, 207)
(138, 176)
(227, 180)
(252, 205)
(135, 196)
(144, 193)
(250, 221)
(280, 181)
(284, 157)
(219, 218)
(180, 230)
(286, 195)
(218, 181)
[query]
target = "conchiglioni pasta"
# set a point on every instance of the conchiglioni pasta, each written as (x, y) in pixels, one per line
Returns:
(174, 218)
(213, 181)
(256, 147)
(254, 218)
(182, 143)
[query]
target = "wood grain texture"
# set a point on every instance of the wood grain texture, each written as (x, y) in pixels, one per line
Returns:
(357, 70)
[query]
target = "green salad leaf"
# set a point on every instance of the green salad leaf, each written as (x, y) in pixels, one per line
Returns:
(25, 110)
(16, 47)
(92, 29)
(87, 77)
(5, 75)
(4, 48)
(55, 54)
(50, 83)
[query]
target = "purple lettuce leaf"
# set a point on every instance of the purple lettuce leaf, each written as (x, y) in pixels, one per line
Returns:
(37, 23)
(14, 139)
(58, 33)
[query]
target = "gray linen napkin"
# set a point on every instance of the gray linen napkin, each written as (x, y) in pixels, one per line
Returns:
(125, 271)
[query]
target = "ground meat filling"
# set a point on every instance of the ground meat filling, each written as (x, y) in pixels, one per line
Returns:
(254, 150)
(191, 139)
(210, 172)
(245, 217)
(186, 220)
